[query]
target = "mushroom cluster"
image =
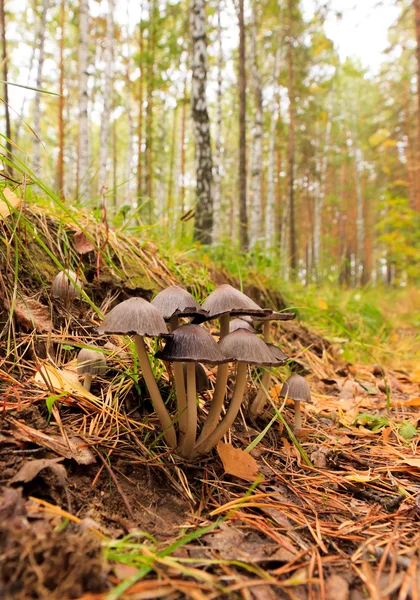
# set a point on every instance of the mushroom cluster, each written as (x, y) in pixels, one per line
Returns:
(177, 317)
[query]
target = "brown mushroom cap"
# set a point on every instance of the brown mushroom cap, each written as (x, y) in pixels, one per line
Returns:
(241, 324)
(91, 362)
(201, 379)
(278, 353)
(63, 286)
(226, 299)
(296, 388)
(175, 301)
(134, 316)
(192, 343)
(275, 316)
(246, 347)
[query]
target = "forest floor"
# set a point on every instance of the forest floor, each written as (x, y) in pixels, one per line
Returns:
(92, 506)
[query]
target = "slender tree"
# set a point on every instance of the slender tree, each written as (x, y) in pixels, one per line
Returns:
(83, 145)
(151, 47)
(37, 108)
(60, 158)
(204, 178)
(107, 104)
(218, 142)
(271, 176)
(140, 117)
(417, 30)
(243, 218)
(5, 62)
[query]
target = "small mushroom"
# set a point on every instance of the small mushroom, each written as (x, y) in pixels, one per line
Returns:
(240, 324)
(246, 349)
(90, 363)
(201, 378)
(297, 389)
(224, 302)
(191, 344)
(66, 286)
(139, 318)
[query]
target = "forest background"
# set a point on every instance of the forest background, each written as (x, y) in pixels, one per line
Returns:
(234, 124)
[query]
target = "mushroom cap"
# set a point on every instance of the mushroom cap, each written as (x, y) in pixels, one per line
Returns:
(201, 379)
(91, 362)
(226, 299)
(241, 324)
(296, 388)
(276, 316)
(247, 347)
(174, 301)
(63, 286)
(278, 353)
(134, 316)
(192, 343)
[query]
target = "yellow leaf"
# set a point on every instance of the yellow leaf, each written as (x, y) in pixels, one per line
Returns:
(62, 381)
(13, 202)
(360, 477)
(237, 462)
(412, 462)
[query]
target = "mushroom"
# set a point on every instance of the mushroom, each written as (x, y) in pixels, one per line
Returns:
(240, 324)
(139, 318)
(191, 344)
(201, 378)
(66, 286)
(175, 302)
(259, 401)
(90, 363)
(224, 302)
(297, 389)
(246, 349)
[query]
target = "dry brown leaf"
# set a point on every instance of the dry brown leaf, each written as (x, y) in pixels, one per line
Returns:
(12, 202)
(336, 588)
(31, 314)
(72, 447)
(237, 462)
(82, 244)
(32, 468)
(412, 462)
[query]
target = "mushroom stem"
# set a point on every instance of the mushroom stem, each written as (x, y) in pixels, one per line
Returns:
(187, 444)
(87, 381)
(259, 401)
(298, 415)
(158, 404)
(234, 406)
(219, 389)
(181, 396)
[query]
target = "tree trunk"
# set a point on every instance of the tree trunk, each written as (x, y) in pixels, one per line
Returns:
(291, 141)
(107, 93)
(270, 220)
(154, 12)
(417, 154)
(83, 56)
(37, 107)
(218, 153)
(255, 217)
(7, 168)
(140, 118)
(243, 219)
(360, 220)
(182, 143)
(204, 200)
(60, 159)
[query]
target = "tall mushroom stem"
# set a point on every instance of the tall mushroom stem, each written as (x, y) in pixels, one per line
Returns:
(298, 416)
(219, 389)
(187, 444)
(87, 381)
(181, 395)
(158, 404)
(259, 401)
(234, 406)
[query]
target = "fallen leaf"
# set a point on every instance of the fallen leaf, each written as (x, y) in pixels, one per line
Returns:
(413, 462)
(70, 447)
(360, 477)
(33, 467)
(62, 381)
(237, 462)
(414, 401)
(319, 458)
(82, 244)
(336, 588)
(13, 202)
(31, 314)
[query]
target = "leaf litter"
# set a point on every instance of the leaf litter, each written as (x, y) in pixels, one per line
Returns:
(143, 523)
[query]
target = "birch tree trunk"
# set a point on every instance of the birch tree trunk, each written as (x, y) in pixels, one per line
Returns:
(8, 170)
(270, 221)
(37, 107)
(83, 142)
(243, 218)
(107, 93)
(291, 140)
(60, 159)
(218, 153)
(417, 154)
(140, 117)
(255, 217)
(204, 201)
(153, 16)
(360, 220)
